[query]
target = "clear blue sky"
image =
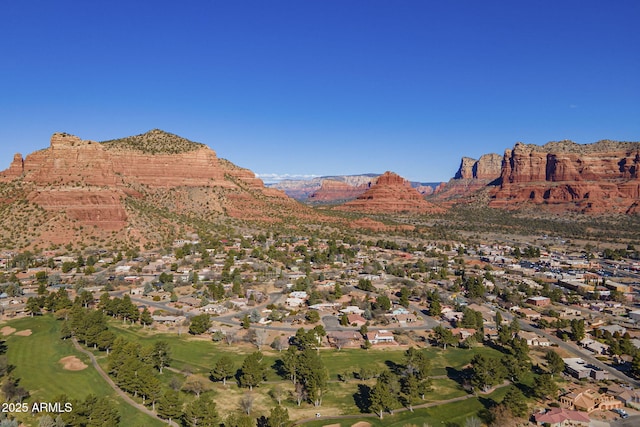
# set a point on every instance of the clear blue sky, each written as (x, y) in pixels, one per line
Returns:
(325, 87)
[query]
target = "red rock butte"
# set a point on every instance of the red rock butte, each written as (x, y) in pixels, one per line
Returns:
(594, 178)
(391, 194)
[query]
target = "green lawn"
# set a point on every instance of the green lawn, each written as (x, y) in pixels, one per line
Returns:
(36, 358)
(199, 356)
(442, 415)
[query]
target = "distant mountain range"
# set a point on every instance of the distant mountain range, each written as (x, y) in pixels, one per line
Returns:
(337, 188)
(149, 189)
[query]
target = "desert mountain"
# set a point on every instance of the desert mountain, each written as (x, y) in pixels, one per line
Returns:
(137, 189)
(565, 176)
(391, 194)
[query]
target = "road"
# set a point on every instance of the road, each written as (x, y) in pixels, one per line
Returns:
(586, 355)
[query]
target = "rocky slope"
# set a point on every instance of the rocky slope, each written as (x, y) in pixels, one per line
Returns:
(391, 194)
(134, 189)
(597, 178)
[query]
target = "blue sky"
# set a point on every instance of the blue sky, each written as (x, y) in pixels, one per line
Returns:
(322, 87)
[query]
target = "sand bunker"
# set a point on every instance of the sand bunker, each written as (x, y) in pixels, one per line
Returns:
(24, 333)
(361, 424)
(7, 330)
(72, 363)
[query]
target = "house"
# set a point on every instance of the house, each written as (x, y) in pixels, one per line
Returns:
(169, 320)
(344, 338)
(294, 302)
(463, 333)
(612, 329)
(629, 397)
(589, 400)
(560, 417)
(213, 309)
(533, 339)
(352, 309)
(356, 320)
(453, 316)
(299, 294)
(529, 314)
(404, 319)
(538, 301)
(595, 346)
(380, 337)
(578, 368)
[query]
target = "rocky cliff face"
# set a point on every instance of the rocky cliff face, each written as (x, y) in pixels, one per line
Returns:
(597, 178)
(488, 167)
(106, 187)
(472, 175)
(391, 194)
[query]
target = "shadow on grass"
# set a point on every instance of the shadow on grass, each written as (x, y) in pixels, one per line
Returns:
(362, 398)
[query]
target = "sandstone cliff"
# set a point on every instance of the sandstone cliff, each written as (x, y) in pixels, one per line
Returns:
(129, 187)
(600, 177)
(472, 176)
(391, 194)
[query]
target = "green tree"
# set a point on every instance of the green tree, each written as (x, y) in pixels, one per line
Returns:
(239, 420)
(544, 386)
(200, 324)
(555, 364)
(313, 375)
(161, 355)
(516, 402)
(201, 413)
(381, 398)
(486, 372)
(169, 405)
(223, 369)
(443, 336)
(145, 317)
(253, 370)
(278, 417)
(577, 329)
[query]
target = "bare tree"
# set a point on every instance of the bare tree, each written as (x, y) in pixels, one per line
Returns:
(230, 337)
(278, 393)
(195, 384)
(300, 393)
(246, 402)
(260, 337)
(341, 342)
(278, 343)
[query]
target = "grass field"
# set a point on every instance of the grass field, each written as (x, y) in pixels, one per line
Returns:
(36, 358)
(450, 414)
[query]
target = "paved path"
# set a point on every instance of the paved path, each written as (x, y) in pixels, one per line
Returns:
(113, 385)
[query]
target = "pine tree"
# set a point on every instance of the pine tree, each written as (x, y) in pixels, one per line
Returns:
(201, 413)
(145, 317)
(278, 417)
(253, 371)
(223, 369)
(169, 405)
(161, 355)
